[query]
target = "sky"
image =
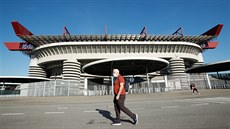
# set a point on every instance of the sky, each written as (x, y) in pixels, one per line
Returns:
(161, 17)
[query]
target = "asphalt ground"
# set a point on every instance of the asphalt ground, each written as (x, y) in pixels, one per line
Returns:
(169, 110)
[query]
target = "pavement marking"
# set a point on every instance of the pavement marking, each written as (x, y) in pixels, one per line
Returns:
(130, 109)
(224, 99)
(109, 106)
(200, 104)
(91, 111)
(218, 100)
(12, 114)
(168, 107)
(54, 112)
(59, 108)
(137, 109)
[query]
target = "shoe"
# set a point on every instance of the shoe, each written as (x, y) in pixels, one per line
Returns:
(116, 123)
(135, 119)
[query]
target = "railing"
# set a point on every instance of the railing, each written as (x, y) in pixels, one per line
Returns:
(9, 92)
(74, 88)
(52, 88)
(139, 88)
(220, 84)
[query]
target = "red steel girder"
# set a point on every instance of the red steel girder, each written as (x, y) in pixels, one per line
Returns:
(19, 29)
(210, 45)
(18, 46)
(215, 31)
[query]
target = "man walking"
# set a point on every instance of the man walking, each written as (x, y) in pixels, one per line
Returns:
(119, 99)
(193, 87)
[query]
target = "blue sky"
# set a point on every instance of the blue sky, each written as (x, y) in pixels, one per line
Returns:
(120, 16)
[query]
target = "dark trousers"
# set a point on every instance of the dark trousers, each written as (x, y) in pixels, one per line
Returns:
(194, 89)
(119, 105)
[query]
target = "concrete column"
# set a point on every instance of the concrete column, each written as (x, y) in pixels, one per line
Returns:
(166, 82)
(177, 69)
(37, 71)
(209, 83)
(86, 86)
(71, 70)
(34, 69)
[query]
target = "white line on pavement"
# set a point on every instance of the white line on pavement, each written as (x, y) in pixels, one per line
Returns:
(137, 109)
(167, 107)
(210, 101)
(109, 106)
(218, 100)
(98, 111)
(62, 108)
(90, 111)
(200, 104)
(12, 114)
(54, 112)
(130, 109)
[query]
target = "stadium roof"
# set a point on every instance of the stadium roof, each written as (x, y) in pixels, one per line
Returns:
(213, 67)
(47, 39)
(31, 40)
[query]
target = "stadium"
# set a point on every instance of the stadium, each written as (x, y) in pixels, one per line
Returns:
(89, 59)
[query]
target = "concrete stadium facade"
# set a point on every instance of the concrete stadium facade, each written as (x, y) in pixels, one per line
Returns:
(64, 59)
(63, 56)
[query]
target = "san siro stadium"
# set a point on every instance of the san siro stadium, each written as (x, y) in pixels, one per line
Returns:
(150, 62)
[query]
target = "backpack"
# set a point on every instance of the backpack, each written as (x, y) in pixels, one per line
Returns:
(126, 84)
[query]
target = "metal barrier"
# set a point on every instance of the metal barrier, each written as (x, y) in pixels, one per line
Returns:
(9, 92)
(74, 88)
(220, 84)
(138, 88)
(52, 88)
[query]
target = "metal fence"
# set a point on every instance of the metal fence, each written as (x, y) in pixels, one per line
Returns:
(200, 80)
(220, 84)
(74, 88)
(134, 89)
(99, 90)
(52, 88)
(179, 83)
(9, 92)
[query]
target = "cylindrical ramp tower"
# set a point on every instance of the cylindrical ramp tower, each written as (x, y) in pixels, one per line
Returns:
(71, 70)
(177, 67)
(178, 75)
(37, 71)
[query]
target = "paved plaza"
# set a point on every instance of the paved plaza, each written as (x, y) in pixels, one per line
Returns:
(172, 110)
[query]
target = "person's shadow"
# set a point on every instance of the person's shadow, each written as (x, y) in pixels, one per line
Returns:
(107, 115)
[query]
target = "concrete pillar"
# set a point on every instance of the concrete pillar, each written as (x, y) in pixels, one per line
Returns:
(209, 83)
(166, 82)
(177, 67)
(86, 86)
(177, 70)
(37, 71)
(71, 70)
(34, 69)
